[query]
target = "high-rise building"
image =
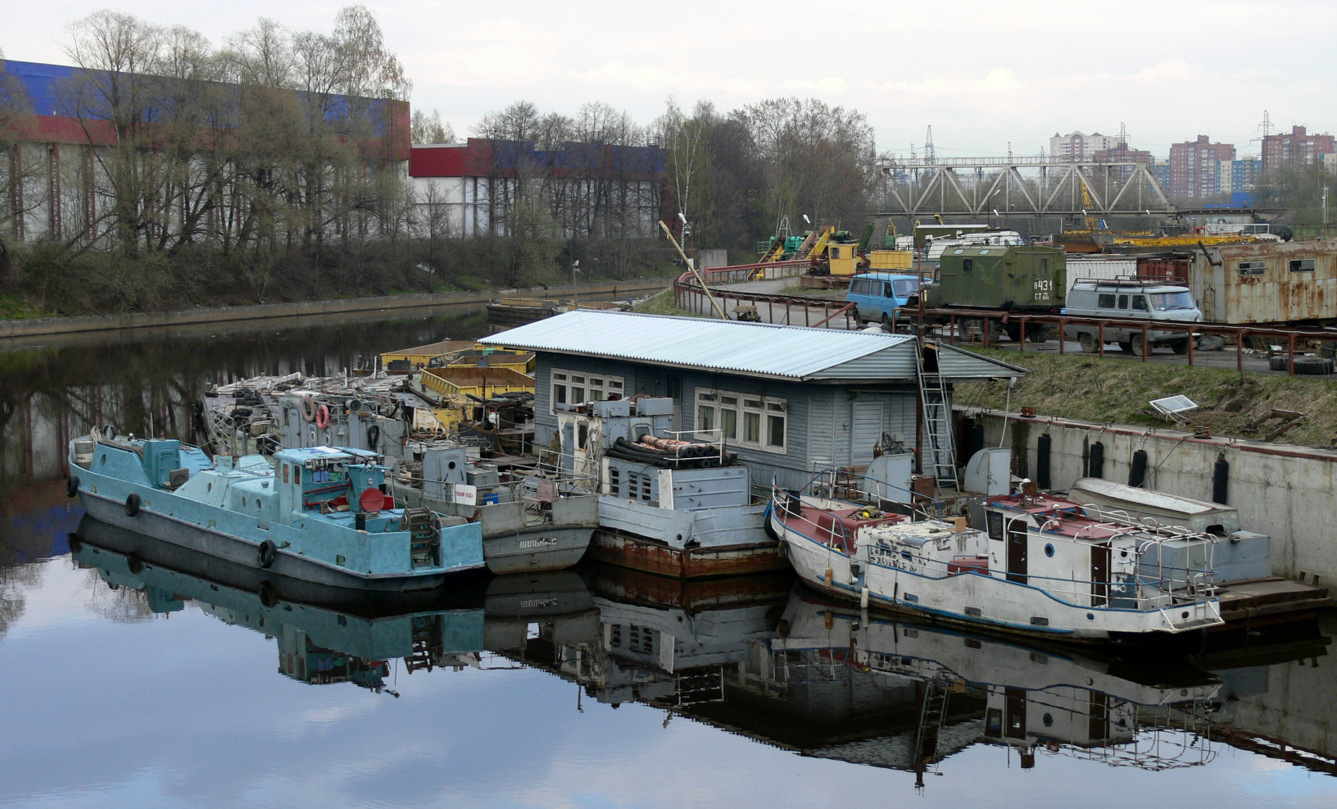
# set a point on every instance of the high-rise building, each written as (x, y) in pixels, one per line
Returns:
(1244, 173)
(1195, 167)
(1295, 149)
(1076, 146)
(1122, 153)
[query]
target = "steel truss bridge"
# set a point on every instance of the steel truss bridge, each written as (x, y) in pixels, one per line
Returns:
(995, 186)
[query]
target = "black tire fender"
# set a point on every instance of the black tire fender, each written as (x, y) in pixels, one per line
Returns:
(268, 552)
(269, 596)
(72, 486)
(132, 505)
(134, 563)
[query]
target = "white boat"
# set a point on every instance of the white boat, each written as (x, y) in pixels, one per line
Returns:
(672, 503)
(1045, 567)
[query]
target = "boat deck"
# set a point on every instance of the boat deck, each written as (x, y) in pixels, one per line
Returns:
(1259, 598)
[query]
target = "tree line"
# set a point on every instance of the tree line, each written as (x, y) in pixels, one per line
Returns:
(265, 168)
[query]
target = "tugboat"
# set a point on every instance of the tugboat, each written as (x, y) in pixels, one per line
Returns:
(1045, 567)
(318, 515)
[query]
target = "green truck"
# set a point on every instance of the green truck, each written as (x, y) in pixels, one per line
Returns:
(1023, 278)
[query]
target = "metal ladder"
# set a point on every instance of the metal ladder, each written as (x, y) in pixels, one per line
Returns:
(939, 450)
(932, 717)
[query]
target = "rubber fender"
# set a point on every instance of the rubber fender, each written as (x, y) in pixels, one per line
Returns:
(268, 552)
(132, 505)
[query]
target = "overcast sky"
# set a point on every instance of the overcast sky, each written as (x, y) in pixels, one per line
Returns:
(985, 75)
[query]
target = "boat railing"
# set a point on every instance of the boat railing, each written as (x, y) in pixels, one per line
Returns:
(838, 483)
(567, 468)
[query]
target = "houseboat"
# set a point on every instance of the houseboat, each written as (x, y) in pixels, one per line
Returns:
(1046, 567)
(319, 515)
(669, 503)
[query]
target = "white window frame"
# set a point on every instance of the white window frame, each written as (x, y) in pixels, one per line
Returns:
(587, 384)
(722, 403)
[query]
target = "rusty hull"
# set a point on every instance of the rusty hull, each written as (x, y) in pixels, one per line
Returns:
(1274, 295)
(649, 556)
(637, 587)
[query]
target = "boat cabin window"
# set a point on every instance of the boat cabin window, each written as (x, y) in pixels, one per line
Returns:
(1140, 303)
(1123, 301)
(1105, 300)
(995, 525)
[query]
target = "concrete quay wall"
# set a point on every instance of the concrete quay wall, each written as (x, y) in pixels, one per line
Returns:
(266, 311)
(1286, 492)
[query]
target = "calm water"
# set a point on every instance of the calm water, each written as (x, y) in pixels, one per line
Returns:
(159, 688)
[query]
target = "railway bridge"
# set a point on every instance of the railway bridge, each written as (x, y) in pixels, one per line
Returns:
(998, 187)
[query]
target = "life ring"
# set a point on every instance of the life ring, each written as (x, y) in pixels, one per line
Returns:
(309, 408)
(268, 550)
(72, 486)
(373, 436)
(132, 505)
(323, 417)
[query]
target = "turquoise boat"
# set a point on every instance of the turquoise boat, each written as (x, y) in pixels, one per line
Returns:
(318, 514)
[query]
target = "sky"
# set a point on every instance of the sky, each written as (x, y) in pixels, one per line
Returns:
(987, 77)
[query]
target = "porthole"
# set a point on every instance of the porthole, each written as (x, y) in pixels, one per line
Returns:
(1049, 549)
(1090, 616)
(1048, 719)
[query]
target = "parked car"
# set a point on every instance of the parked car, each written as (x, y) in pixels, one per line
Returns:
(1131, 299)
(877, 295)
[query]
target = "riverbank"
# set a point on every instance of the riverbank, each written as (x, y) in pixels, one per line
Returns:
(389, 305)
(1295, 410)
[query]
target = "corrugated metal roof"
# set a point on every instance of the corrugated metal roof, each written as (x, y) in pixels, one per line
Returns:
(753, 349)
(959, 364)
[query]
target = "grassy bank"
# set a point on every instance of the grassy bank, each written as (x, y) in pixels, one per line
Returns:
(1111, 390)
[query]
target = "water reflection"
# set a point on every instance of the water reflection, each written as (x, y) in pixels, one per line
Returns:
(764, 660)
(146, 385)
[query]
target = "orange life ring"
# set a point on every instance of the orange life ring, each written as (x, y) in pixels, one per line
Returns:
(323, 417)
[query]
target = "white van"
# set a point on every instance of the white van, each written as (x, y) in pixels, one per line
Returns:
(1130, 299)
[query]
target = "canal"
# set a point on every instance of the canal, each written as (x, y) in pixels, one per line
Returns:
(131, 684)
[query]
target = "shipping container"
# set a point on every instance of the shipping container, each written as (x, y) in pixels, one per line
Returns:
(1099, 267)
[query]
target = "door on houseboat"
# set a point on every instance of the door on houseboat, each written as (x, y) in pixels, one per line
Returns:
(1100, 575)
(1016, 551)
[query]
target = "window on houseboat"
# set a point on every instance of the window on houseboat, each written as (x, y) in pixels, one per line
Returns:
(1302, 265)
(571, 388)
(749, 421)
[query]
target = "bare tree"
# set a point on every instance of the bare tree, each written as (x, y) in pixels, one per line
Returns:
(16, 121)
(430, 128)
